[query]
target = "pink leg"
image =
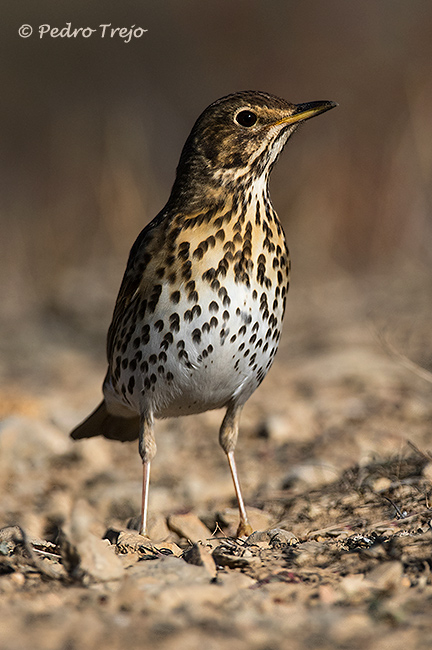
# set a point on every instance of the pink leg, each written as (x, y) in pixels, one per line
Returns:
(145, 495)
(244, 527)
(147, 449)
(228, 438)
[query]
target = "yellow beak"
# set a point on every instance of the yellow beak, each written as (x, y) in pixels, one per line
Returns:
(304, 112)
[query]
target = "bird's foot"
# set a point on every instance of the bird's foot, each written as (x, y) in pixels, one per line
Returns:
(244, 529)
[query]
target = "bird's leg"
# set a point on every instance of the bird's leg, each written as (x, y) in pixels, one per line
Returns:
(147, 450)
(228, 439)
(145, 495)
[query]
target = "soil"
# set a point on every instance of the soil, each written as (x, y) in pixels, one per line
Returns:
(335, 463)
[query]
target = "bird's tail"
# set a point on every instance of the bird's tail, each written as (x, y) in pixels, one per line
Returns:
(102, 423)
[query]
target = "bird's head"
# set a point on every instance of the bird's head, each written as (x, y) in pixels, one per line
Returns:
(238, 138)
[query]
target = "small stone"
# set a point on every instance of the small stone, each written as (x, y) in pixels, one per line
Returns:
(386, 577)
(18, 578)
(381, 484)
(98, 560)
(97, 557)
(199, 555)
(131, 540)
(406, 582)
(311, 475)
(280, 537)
(297, 423)
(353, 585)
(258, 537)
(189, 527)
(275, 537)
(258, 519)
(157, 528)
(276, 428)
(233, 555)
(310, 553)
(168, 548)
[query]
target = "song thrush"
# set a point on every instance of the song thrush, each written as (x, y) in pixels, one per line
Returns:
(198, 317)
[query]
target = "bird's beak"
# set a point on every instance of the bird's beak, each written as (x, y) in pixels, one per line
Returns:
(304, 112)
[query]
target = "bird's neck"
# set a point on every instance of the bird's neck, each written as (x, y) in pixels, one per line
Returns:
(223, 190)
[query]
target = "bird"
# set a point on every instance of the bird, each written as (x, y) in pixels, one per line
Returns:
(199, 313)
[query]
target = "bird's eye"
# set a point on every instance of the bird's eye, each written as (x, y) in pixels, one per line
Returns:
(246, 118)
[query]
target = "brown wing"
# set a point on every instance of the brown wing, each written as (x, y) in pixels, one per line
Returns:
(133, 288)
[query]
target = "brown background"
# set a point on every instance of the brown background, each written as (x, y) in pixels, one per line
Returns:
(92, 130)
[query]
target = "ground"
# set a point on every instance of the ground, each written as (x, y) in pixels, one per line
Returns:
(335, 463)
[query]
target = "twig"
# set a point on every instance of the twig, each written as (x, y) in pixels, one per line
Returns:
(402, 358)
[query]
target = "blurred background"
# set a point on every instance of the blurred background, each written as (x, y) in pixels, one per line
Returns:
(92, 129)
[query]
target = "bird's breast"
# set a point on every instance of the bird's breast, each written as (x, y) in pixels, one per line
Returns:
(207, 333)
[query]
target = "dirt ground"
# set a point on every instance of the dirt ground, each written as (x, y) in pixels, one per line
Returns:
(336, 467)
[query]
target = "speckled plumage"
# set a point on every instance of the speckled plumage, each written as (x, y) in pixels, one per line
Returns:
(199, 314)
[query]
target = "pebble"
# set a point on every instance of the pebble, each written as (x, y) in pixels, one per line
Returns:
(18, 578)
(199, 555)
(386, 577)
(258, 519)
(97, 556)
(381, 484)
(274, 536)
(311, 475)
(189, 527)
